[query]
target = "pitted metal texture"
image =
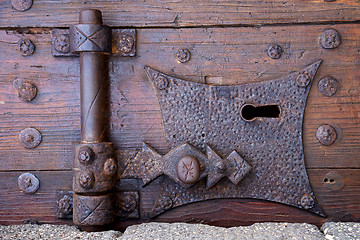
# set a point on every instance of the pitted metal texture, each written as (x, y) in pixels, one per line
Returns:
(204, 115)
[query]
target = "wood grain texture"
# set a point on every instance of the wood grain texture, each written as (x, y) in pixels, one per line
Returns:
(219, 56)
(16, 206)
(341, 204)
(169, 13)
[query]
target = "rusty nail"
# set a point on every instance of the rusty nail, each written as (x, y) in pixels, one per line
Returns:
(166, 203)
(30, 221)
(220, 167)
(30, 138)
(274, 51)
(86, 179)
(28, 183)
(330, 38)
(161, 82)
(65, 206)
(128, 203)
(86, 155)
(110, 167)
(26, 91)
(328, 86)
(183, 55)
(307, 202)
(26, 46)
(326, 134)
(125, 43)
(21, 5)
(303, 79)
(188, 169)
(62, 43)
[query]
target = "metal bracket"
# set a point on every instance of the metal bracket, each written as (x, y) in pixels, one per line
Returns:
(262, 122)
(123, 43)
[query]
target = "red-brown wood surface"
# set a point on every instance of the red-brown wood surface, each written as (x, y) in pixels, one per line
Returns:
(167, 13)
(232, 51)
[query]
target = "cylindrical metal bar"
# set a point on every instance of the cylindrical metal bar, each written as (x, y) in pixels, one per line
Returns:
(92, 92)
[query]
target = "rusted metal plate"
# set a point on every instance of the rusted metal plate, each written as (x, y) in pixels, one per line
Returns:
(271, 142)
(123, 43)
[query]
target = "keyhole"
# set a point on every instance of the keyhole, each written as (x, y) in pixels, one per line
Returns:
(250, 112)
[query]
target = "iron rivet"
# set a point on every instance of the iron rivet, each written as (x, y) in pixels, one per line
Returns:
(220, 167)
(28, 183)
(166, 203)
(86, 155)
(161, 82)
(26, 47)
(334, 181)
(330, 38)
(328, 86)
(62, 43)
(326, 134)
(30, 138)
(128, 204)
(275, 51)
(26, 91)
(125, 43)
(65, 206)
(303, 79)
(188, 169)
(21, 5)
(183, 55)
(307, 202)
(30, 221)
(87, 179)
(110, 167)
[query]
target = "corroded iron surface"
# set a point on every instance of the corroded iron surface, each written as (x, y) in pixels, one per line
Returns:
(205, 115)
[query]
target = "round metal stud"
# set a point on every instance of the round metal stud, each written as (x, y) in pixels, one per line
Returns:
(307, 202)
(62, 43)
(86, 155)
(303, 80)
(326, 134)
(188, 169)
(26, 91)
(330, 38)
(87, 179)
(30, 138)
(166, 203)
(26, 47)
(328, 86)
(161, 82)
(183, 55)
(274, 51)
(125, 43)
(21, 5)
(28, 183)
(128, 204)
(110, 167)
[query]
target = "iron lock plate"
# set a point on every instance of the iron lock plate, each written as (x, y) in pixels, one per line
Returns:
(262, 152)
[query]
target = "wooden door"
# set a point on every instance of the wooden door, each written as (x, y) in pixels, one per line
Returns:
(221, 43)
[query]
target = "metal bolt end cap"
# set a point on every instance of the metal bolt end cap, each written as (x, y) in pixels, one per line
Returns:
(28, 183)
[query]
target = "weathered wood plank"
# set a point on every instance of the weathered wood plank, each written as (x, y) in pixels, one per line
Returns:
(338, 204)
(170, 13)
(17, 206)
(219, 55)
